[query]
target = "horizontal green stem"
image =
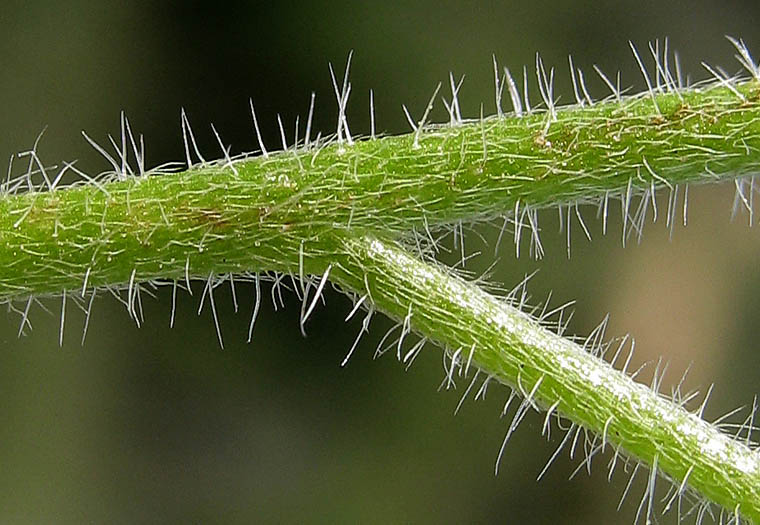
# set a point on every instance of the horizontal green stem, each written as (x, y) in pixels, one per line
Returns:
(552, 371)
(262, 213)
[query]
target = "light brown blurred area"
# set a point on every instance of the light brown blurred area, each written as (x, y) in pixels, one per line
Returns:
(156, 425)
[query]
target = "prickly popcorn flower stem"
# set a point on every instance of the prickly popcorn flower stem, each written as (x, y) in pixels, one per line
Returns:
(552, 372)
(261, 213)
(323, 207)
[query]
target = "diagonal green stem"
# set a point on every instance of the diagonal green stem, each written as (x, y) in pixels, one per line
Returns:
(552, 371)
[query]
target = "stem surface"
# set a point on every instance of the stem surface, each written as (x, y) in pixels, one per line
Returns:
(324, 208)
(552, 371)
(263, 213)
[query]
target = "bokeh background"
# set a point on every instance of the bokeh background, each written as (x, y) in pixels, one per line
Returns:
(157, 425)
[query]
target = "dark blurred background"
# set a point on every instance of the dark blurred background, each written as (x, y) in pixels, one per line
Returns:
(160, 425)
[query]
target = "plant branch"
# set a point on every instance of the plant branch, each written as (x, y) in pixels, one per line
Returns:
(263, 213)
(479, 330)
(323, 208)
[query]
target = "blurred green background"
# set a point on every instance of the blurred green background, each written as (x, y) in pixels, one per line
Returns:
(160, 425)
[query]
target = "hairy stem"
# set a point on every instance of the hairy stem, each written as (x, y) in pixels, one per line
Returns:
(322, 208)
(551, 371)
(263, 213)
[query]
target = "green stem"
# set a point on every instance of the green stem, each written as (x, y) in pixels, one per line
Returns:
(268, 210)
(552, 371)
(293, 211)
